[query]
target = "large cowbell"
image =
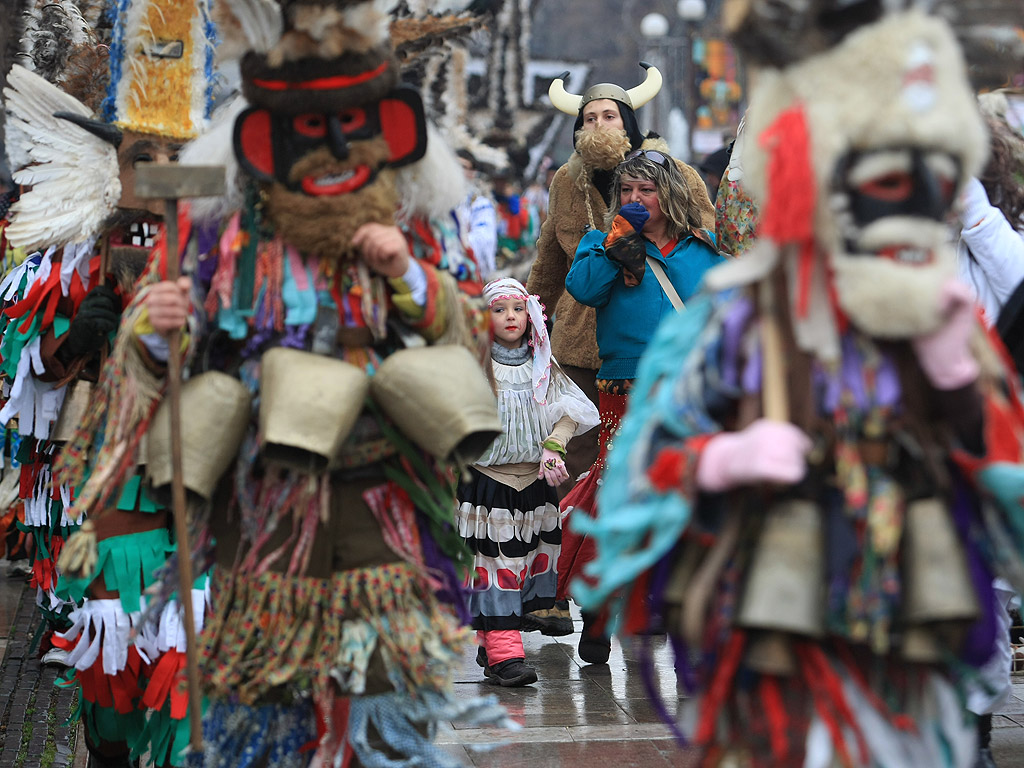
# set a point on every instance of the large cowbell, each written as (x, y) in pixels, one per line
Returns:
(938, 596)
(785, 586)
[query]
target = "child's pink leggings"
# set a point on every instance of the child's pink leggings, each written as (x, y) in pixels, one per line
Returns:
(501, 645)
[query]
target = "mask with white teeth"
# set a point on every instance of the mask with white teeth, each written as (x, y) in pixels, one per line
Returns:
(857, 158)
(894, 253)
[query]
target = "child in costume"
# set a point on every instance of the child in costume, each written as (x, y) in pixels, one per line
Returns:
(654, 244)
(508, 511)
(821, 467)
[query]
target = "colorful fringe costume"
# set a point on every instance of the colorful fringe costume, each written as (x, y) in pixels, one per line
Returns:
(833, 622)
(125, 648)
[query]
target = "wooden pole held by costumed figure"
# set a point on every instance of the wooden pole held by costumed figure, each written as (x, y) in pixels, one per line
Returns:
(172, 183)
(784, 587)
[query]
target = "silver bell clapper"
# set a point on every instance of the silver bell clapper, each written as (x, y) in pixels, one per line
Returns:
(171, 183)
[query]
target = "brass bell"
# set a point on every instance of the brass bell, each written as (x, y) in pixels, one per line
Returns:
(936, 583)
(440, 399)
(308, 406)
(784, 588)
(215, 409)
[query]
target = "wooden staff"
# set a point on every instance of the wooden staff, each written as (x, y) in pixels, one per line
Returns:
(172, 183)
(772, 652)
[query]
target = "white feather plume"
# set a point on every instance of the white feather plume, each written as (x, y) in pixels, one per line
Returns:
(73, 175)
(434, 185)
(260, 22)
(215, 147)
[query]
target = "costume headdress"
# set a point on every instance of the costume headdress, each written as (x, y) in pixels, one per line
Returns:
(819, 169)
(161, 67)
(160, 60)
(510, 288)
(634, 98)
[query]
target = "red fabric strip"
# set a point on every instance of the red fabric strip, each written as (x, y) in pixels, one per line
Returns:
(321, 83)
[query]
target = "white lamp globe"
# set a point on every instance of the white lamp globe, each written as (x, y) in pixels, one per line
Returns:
(653, 25)
(692, 10)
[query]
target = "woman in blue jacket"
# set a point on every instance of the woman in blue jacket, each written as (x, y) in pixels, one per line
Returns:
(653, 257)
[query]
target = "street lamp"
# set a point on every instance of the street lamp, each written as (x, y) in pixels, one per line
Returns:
(691, 12)
(654, 27)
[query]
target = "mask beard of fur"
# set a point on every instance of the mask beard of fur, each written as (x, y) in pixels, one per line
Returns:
(602, 149)
(324, 226)
(890, 300)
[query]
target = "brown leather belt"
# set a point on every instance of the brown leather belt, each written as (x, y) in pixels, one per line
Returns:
(355, 336)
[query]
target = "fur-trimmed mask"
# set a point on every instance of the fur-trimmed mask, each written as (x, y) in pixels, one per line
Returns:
(884, 158)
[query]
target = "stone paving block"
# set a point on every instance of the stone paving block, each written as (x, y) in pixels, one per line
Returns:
(631, 754)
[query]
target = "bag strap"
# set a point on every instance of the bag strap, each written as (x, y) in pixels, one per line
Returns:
(666, 284)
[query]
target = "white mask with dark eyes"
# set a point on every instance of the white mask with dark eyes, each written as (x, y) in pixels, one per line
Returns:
(893, 254)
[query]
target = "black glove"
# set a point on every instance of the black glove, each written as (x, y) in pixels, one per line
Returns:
(98, 316)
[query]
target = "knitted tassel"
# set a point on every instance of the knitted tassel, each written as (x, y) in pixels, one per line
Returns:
(775, 714)
(724, 679)
(80, 554)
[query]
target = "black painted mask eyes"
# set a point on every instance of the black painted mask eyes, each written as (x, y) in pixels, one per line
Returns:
(898, 182)
(268, 144)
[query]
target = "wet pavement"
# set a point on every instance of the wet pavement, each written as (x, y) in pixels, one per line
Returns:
(576, 715)
(582, 715)
(35, 728)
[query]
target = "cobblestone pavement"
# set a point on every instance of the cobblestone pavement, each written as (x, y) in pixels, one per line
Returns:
(576, 715)
(34, 713)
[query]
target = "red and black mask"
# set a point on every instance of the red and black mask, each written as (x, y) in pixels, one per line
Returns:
(268, 143)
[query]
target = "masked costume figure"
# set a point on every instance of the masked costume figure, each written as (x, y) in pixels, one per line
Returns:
(820, 468)
(325, 412)
(80, 210)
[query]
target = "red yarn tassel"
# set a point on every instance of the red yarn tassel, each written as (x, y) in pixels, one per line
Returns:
(728, 663)
(778, 720)
(902, 721)
(638, 615)
(788, 214)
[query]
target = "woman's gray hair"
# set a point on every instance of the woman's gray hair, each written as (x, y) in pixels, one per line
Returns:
(673, 193)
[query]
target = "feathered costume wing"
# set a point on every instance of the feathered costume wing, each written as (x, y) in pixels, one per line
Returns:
(73, 175)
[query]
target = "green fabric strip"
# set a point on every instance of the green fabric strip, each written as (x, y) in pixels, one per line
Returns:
(127, 564)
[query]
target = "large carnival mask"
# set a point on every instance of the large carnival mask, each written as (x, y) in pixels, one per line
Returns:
(892, 133)
(271, 146)
(325, 136)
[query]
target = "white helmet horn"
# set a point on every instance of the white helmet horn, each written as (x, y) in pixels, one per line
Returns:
(648, 89)
(562, 100)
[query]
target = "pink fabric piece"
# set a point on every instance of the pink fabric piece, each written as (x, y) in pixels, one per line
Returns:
(765, 452)
(298, 269)
(501, 645)
(223, 282)
(945, 354)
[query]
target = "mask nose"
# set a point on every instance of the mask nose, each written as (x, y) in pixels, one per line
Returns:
(336, 138)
